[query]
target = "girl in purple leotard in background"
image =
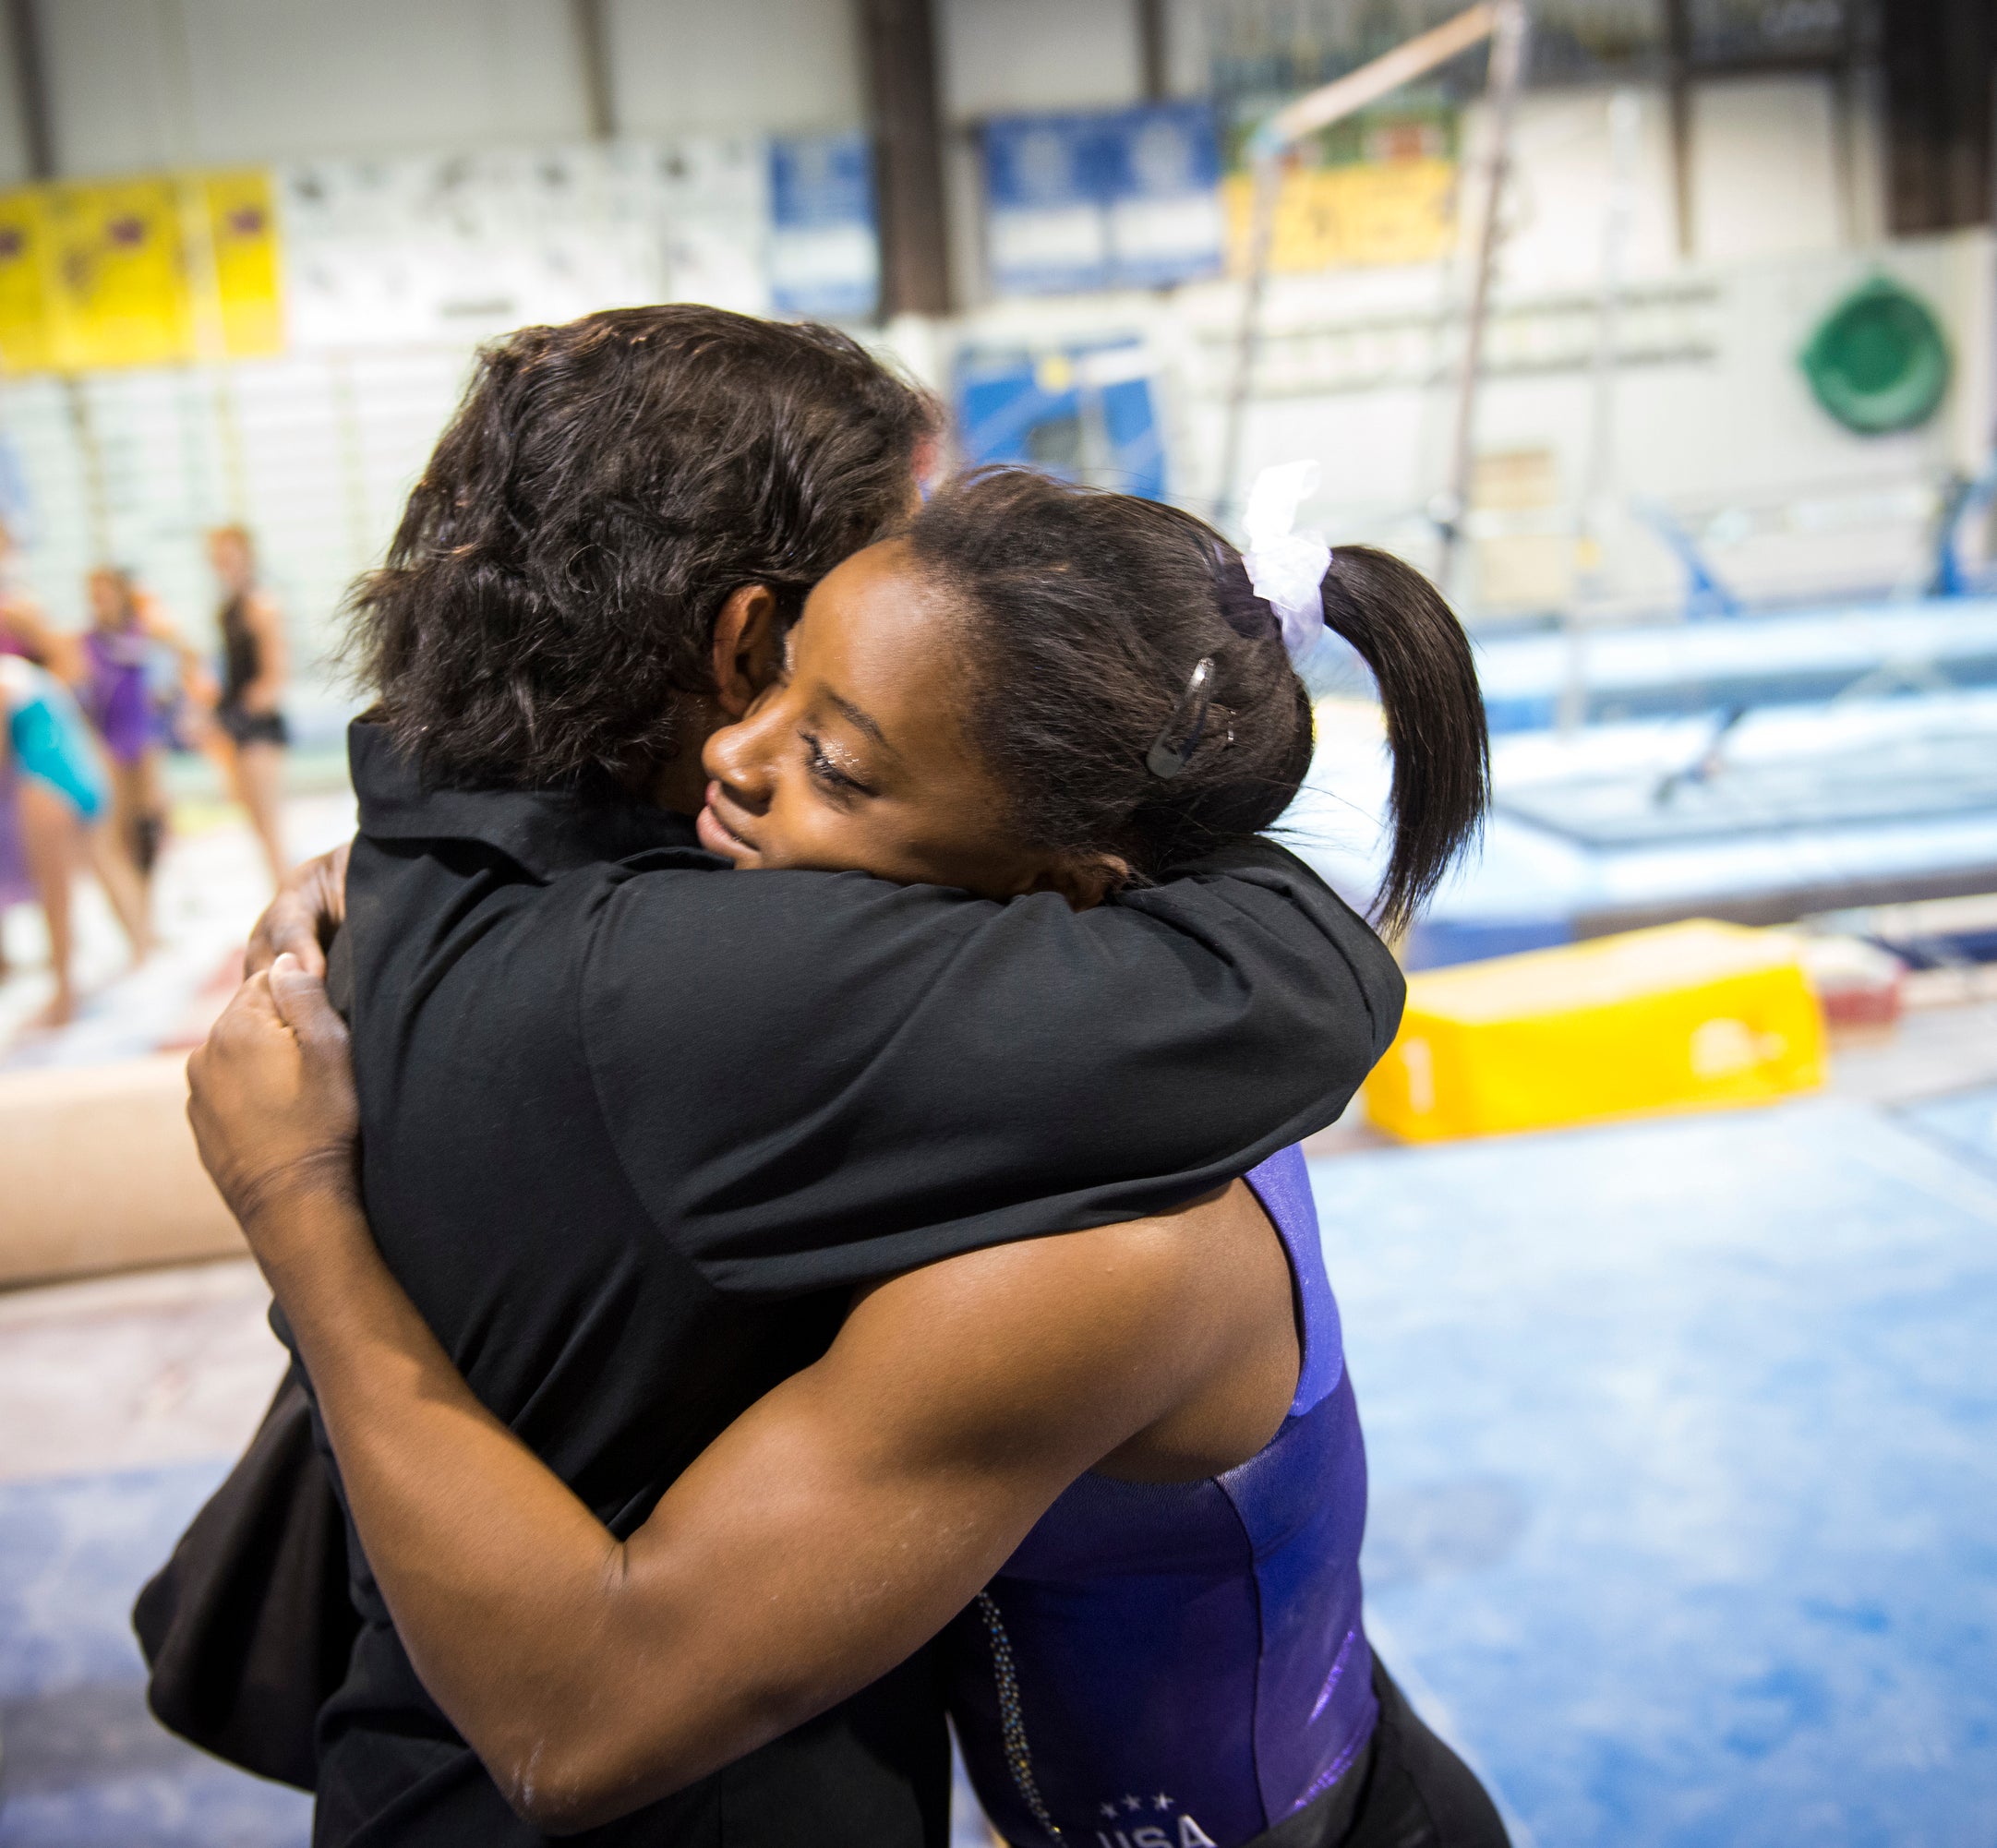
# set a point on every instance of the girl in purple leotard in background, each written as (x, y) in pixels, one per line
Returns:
(128, 639)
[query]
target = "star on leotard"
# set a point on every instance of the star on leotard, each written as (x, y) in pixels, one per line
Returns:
(1162, 1800)
(1133, 1803)
(1109, 1809)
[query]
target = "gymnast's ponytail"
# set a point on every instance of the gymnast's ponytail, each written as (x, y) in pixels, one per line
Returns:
(1400, 625)
(1135, 692)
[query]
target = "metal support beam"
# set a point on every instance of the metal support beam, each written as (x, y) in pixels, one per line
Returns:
(1507, 72)
(899, 42)
(1309, 114)
(1678, 88)
(1154, 51)
(1941, 60)
(31, 84)
(593, 52)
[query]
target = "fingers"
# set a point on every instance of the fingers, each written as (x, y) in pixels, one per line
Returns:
(290, 925)
(298, 996)
(301, 920)
(334, 910)
(250, 1016)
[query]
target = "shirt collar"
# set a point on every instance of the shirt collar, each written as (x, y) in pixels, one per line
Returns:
(546, 831)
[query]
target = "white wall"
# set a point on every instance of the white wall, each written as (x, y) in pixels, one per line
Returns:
(1003, 57)
(1767, 178)
(140, 84)
(745, 64)
(148, 83)
(1558, 199)
(1764, 178)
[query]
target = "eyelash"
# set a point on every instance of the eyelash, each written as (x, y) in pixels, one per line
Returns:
(828, 772)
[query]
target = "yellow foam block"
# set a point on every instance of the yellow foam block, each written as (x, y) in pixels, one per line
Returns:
(1686, 1017)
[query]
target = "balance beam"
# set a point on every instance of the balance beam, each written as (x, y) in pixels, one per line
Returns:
(98, 1172)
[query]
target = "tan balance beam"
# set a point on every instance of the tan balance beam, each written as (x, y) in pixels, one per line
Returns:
(98, 1172)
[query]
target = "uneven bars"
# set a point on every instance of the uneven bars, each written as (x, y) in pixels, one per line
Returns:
(1267, 146)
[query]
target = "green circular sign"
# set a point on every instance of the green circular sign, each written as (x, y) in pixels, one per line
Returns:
(1880, 361)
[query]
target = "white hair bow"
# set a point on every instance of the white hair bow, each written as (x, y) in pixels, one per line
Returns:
(1286, 567)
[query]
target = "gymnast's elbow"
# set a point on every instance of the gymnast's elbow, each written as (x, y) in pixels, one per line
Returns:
(589, 1770)
(562, 1789)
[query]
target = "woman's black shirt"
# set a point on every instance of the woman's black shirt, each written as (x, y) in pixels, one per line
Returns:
(633, 1131)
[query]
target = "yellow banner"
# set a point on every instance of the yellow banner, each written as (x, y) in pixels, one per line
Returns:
(120, 294)
(24, 275)
(1371, 213)
(145, 271)
(242, 294)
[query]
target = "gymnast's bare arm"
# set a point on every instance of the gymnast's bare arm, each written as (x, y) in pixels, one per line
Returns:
(832, 1529)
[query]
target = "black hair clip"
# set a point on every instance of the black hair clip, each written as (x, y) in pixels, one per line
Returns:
(1245, 613)
(1176, 745)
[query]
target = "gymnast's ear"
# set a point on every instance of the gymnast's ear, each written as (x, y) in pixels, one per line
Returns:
(748, 648)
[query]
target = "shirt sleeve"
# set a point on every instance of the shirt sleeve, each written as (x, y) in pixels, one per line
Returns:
(814, 1080)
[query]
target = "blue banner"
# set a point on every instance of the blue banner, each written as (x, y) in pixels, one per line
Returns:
(1127, 200)
(825, 245)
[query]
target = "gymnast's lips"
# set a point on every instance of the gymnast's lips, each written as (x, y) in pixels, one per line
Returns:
(716, 834)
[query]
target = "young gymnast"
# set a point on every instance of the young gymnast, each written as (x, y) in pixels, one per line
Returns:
(129, 640)
(252, 734)
(1127, 1456)
(62, 797)
(23, 632)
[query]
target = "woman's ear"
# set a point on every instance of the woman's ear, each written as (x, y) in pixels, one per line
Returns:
(748, 648)
(1084, 883)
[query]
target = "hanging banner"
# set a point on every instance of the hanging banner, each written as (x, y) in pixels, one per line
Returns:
(445, 249)
(1372, 212)
(1118, 200)
(24, 295)
(1164, 203)
(148, 271)
(241, 296)
(119, 293)
(824, 247)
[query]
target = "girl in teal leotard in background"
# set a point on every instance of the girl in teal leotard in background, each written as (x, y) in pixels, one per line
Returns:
(61, 795)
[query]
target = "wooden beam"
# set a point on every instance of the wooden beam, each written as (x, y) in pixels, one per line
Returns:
(899, 44)
(1970, 74)
(593, 52)
(1940, 58)
(1154, 51)
(1346, 95)
(1679, 98)
(31, 87)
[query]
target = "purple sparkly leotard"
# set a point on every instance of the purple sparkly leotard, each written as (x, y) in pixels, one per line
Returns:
(116, 696)
(1173, 1665)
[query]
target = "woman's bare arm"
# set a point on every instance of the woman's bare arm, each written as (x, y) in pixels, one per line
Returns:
(837, 1525)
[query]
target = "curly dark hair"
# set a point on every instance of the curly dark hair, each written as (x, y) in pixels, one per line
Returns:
(1085, 616)
(549, 598)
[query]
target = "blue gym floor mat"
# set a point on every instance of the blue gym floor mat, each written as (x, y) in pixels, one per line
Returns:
(1684, 1449)
(83, 1763)
(1965, 1123)
(1683, 1439)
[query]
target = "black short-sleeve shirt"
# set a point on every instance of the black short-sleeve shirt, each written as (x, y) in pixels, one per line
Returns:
(633, 1127)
